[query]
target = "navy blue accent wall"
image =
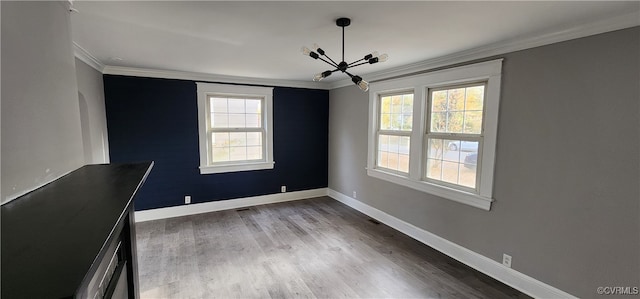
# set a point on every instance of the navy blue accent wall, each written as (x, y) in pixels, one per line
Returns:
(157, 119)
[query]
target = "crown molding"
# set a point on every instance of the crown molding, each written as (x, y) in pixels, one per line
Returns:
(142, 72)
(87, 58)
(602, 26)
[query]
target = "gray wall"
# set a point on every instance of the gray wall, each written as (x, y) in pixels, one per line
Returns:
(567, 167)
(41, 134)
(92, 114)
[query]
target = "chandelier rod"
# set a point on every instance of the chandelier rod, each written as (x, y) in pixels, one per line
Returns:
(343, 43)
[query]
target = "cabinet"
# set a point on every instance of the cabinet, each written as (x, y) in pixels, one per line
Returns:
(74, 237)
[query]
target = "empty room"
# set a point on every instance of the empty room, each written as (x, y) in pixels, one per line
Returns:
(320, 149)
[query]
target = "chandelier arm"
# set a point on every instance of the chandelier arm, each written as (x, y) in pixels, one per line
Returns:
(356, 61)
(334, 63)
(361, 63)
(349, 74)
(331, 64)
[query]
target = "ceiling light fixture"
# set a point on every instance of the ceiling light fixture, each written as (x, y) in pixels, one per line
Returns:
(343, 66)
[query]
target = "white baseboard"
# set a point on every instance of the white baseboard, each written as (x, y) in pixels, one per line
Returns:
(508, 276)
(198, 208)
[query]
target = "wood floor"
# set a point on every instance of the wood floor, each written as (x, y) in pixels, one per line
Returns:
(313, 248)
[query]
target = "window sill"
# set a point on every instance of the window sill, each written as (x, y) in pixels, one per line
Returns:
(467, 198)
(236, 167)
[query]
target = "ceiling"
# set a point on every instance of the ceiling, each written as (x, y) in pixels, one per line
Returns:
(263, 39)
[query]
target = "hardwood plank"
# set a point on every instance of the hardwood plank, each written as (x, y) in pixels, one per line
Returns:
(314, 248)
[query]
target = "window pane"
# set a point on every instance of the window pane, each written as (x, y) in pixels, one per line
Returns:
(468, 171)
(393, 161)
(237, 153)
(473, 122)
(439, 101)
(253, 121)
(451, 152)
(220, 154)
(238, 139)
(385, 121)
(236, 106)
(407, 103)
(218, 105)
(383, 158)
(219, 120)
(254, 138)
(253, 106)
(455, 99)
(439, 122)
(236, 121)
(254, 152)
(450, 172)
(396, 121)
(407, 122)
(435, 149)
(454, 122)
(220, 139)
(385, 105)
(403, 163)
(396, 104)
(394, 143)
(403, 146)
(475, 98)
(434, 169)
(383, 143)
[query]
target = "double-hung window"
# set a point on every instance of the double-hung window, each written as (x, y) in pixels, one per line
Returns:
(436, 132)
(454, 135)
(235, 126)
(394, 131)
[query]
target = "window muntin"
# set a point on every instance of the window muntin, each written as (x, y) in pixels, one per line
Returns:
(395, 122)
(454, 135)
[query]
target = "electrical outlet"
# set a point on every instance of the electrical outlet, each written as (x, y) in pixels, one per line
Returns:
(506, 260)
(283, 189)
(187, 200)
(355, 195)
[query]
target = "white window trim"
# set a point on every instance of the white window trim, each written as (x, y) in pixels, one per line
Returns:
(204, 89)
(491, 72)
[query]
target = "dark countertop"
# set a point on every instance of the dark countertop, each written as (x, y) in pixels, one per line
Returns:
(52, 235)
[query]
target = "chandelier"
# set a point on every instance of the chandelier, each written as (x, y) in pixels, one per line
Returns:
(318, 53)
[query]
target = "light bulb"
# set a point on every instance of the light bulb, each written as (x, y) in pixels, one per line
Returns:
(363, 85)
(305, 50)
(372, 55)
(320, 76)
(383, 57)
(317, 49)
